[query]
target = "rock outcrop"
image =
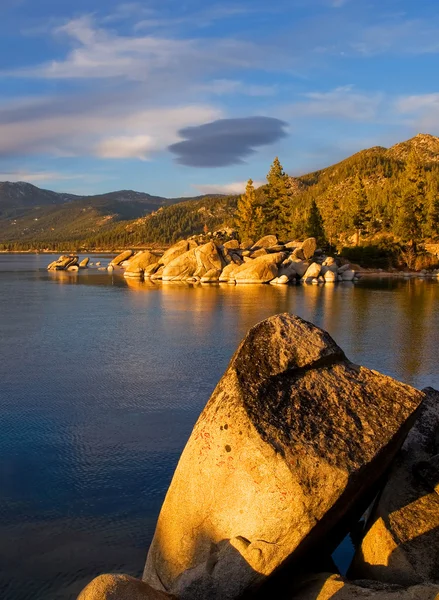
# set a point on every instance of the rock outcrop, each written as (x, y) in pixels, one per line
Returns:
(402, 541)
(259, 270)
(139, 263)
(177, 250)
(119, 259)
(84, 263)
(325, 586)
(63, 263)
(121, 587)
(283, 458)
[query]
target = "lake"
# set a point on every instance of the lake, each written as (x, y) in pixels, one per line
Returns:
(102, 380)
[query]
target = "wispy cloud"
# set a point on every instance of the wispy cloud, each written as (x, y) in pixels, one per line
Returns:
(39, 176)
(237, 187)
(340, 103)
(421, 111)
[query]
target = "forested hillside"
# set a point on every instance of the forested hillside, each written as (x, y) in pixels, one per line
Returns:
(375, 193)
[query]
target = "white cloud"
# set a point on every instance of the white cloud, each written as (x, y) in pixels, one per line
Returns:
(237, 187)
(222, 87)
(341, 103)
(420, 111)
(106, 131)
(38, 177)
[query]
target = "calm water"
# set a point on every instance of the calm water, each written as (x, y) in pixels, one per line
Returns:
(101, 383)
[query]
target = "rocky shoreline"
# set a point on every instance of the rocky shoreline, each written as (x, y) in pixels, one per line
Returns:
(295, 446)
(219, 261)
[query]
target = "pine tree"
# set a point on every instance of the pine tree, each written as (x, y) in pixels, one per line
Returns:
(276, 207)
(314, 224)
(359, 208)
(411, 206)
(248, 216)
(432, 204)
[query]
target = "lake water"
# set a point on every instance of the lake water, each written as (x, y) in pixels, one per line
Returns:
(101, 382)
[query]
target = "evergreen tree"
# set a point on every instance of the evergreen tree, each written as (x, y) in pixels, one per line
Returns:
(248, 215)
(276, 208)
(411, 206)
(432, 202)
(359, 208)
(314, 224)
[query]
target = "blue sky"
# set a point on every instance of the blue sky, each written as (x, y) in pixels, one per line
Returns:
(186, 97)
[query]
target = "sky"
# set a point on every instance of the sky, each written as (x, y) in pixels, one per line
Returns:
(178, 98)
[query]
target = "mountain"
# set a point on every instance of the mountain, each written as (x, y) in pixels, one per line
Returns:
(30, 217)
(28, 213)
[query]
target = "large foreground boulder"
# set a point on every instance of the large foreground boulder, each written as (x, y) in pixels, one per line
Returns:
(324, 586)
(402, 541)
(281, 461)
(121, 587)
(181, 267)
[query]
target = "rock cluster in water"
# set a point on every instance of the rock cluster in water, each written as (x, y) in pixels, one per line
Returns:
(291, 449)
(266, 261)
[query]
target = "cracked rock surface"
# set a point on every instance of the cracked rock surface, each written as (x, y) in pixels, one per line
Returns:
(284, 456)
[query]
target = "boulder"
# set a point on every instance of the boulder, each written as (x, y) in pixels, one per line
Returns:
(298, 254)
(141, 260)
(246, 244)
(343, 268)
(236, 258)
(121, 587)
(177, 250)
(265, 242)
(308, 247)
(260, 270)
(84, 263)
(282, 460)
(158, 274)
(292, 245)
(181, 267)
(326, 586)
(72, 268)
(312, 271)
(259, 252)
(63, 263)
(232, 245)
(212, 276)
(228, 272)
(134, 273)
(117, 260)
(277, 248)
(151, 269)
(329, 261)
(402, 540)
(208, 258)
(348, 275)
(330, 277)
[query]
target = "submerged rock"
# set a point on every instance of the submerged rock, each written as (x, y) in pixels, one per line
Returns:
(282, 459)
(121, 587)
(402, 540)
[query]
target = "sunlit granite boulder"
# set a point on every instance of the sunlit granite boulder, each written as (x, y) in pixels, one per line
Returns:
(63, 263)
(121, 587)
(402, 541)
(119, 259)
(312, 271)
(325, 586)
(265, 242)
(287, 454)
(259, 270)
(84, 263)
(177, 250)
(138, 263)
(309, 247)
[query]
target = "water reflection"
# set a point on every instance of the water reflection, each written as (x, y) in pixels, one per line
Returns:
(103, 377)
